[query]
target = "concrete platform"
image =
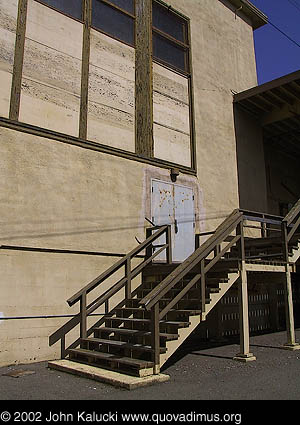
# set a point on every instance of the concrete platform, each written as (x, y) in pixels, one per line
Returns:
(107, 376)
(291, 347)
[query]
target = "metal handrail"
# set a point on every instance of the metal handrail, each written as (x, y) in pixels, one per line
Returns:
(115, 267)
(87, 310)
(221, 233)
(197, 259)
(289, 227)
(292, 214)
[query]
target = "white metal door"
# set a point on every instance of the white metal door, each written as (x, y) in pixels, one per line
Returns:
(174, 204)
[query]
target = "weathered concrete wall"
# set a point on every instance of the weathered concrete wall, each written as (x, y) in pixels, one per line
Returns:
(111, 92)
(51, 82)
(251, 162)
(8, 25)
(171, 117)
(59, 196)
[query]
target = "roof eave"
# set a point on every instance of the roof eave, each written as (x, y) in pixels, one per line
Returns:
(256, 16)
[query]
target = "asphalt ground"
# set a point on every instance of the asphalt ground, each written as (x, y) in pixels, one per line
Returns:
(198, 371)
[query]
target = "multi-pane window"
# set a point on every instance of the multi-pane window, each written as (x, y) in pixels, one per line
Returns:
(170, 38)
(72, 8)
(115, 18)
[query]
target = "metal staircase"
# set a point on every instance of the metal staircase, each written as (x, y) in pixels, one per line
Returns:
(141, 332)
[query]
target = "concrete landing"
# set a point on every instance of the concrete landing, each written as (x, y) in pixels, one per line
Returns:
(106, 376)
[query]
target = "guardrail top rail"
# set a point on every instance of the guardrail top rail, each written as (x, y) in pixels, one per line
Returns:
(292, 214)
(200, 254)
(86, 310)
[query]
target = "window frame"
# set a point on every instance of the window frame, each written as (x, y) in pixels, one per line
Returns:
(124, 12)
(64, 13)
(188, 74)
(183, 45)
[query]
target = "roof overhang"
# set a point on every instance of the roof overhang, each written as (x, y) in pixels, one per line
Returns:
(276, 105)
(256, 16)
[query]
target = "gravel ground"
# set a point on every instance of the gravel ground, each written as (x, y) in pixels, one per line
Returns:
(197, 372)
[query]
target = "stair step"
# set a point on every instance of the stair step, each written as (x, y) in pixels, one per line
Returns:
(137, 310)
(111, 358)
(183, 311)
(135, 332)
(121, 344)
(148, 321)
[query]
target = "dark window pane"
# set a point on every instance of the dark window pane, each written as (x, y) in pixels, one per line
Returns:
(168, 22)
(169, 52)
(113, 22)
(127, 5)
(70, 7)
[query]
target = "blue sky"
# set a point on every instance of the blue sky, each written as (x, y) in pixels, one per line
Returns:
(275, 54)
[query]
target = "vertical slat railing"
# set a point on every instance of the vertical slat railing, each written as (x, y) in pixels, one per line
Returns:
(169, 243)
(130, 273)
(83, 316)
(203, 287)
(128, 278)
(155, 342)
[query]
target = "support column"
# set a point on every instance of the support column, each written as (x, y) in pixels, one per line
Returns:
(143, 80)
(244, 355)
(289, 312)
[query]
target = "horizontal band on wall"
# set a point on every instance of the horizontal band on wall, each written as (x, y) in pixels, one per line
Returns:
(46, 317)
(64, 251)
(87, 144)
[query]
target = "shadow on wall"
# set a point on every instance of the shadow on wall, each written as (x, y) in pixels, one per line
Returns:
(250, 162)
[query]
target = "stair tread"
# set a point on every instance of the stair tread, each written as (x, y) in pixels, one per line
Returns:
(122, 344)
(134, 320)
(113, 357)
(135, 332)
(137, 309)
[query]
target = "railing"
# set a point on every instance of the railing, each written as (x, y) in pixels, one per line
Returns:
(269, 223)
(289, 226)
(227, 235)
(214, 247)
(200, 261)
(130, 273)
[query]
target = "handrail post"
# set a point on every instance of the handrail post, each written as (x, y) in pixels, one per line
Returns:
(63, 347)
(203, 288)
(169, 243)
(149, 249)
(197, 241)
(128, 277)
(244, 355)
(288, 294)
(285, 248)
(155, 340)
(83, 316)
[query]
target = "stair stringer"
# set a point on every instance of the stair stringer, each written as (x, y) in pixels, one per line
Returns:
(296, 254)
(183, 333)
(215, 298)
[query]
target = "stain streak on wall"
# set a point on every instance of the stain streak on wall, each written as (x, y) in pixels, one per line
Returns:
(111, 92)
(51, 80)
(171, 116)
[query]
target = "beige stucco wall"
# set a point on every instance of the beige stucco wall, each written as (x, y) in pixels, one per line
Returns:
(223, 62)
(55, 195)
